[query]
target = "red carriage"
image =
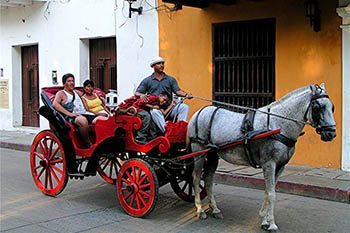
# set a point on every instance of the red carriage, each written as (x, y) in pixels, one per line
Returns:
(137, 170)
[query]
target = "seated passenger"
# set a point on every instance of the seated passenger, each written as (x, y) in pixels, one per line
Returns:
(93, 102)
(148, 130)
(69, 103)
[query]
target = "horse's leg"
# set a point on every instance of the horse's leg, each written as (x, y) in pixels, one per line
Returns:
(196, 174)
(266, 212)
(211, 166)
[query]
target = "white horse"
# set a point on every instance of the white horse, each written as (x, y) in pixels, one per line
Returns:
(307, 105)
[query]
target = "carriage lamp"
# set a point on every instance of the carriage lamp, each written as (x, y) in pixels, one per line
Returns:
(54, 77)
(131, 9)
(313, 13)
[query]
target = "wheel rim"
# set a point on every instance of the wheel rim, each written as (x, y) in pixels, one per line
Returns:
(109, 168)
(48, 163)
(137, 188)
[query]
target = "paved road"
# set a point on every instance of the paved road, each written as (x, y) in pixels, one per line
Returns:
(91, 206)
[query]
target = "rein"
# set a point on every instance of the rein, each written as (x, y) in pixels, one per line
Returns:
(254, 109)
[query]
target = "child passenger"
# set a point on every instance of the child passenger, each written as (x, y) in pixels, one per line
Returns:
(148, 129)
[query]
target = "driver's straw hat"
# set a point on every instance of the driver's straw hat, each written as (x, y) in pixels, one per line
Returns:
(156, 60)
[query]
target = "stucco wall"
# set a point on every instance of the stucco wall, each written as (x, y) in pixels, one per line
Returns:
(62, 29)
(302, 57)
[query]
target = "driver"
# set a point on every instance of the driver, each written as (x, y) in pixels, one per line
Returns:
(157, 83)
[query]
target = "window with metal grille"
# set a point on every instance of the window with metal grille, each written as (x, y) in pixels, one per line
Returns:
(244, 62)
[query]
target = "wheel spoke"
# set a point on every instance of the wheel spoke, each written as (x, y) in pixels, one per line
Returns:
(106, 164)
(125, 197)
(142, 179)
(43, 151)
(144, 186)
(190, 189)
(111, 169)
(134, 174)
(55, 175)
(49, 177)
(184, 187)
(54, 153)
(46, 178)
(145, 194)
(50, 148)
(36, 168)
(132, 199)
(46, 147)
(126, 181)
(129, 176)
(40, 173)
(56, 161)
(141, 199)
(58, 170)
(116, 168)
(137, 201)
(39, 155)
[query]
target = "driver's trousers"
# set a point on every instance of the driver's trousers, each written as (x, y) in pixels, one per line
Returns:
(179, 113)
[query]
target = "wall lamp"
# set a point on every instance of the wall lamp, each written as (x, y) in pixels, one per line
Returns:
(54, 77)
(131, 9)
(314, 13)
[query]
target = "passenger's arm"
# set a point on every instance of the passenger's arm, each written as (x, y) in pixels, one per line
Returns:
(142, 96)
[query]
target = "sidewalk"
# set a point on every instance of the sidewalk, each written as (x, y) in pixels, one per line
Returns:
(323, 183)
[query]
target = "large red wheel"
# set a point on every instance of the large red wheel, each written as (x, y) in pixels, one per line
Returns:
(137, 188)
(48, 163)
(108, 168)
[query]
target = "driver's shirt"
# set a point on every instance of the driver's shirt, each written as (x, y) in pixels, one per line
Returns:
(151, 85)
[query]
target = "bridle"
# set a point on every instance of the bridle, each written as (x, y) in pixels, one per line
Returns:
(316, 111)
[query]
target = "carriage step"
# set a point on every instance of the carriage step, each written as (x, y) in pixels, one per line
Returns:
(76, 175)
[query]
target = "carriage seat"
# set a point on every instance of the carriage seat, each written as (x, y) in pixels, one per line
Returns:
(50, 113)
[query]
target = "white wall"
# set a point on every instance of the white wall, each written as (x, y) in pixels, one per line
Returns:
(344, 13)
(61, 30)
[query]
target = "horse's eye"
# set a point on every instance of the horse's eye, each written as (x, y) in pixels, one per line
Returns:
(316, 108)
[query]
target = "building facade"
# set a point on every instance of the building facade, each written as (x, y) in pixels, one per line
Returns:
(277, 46)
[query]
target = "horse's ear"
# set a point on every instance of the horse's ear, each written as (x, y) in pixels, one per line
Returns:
(322, 86)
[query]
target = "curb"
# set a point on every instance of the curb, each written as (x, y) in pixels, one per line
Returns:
(307, 190)
(15, 146)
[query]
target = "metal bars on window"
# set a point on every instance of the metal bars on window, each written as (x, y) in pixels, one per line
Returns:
(244, 62)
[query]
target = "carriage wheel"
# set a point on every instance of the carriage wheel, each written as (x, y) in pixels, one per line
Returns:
(137, 187)
(183, 185)
(108, 168)
(48, 163)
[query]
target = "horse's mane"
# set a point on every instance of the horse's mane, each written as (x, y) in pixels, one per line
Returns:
(293, 94)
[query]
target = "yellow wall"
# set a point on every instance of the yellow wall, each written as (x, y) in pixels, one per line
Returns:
(302, 57)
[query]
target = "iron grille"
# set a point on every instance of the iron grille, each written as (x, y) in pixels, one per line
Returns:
(244, 62)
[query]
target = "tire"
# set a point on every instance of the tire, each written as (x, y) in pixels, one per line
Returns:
(137, 188)
(48, 163)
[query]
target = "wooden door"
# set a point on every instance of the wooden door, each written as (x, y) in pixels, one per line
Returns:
(103, 63)
(30, 86)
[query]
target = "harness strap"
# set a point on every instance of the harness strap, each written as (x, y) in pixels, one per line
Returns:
(210, 125)
(285, 140)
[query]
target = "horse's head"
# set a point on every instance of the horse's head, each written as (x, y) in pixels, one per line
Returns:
(320, 113)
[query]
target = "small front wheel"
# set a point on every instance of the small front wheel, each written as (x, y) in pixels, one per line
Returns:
(48, 163)
(137, 187)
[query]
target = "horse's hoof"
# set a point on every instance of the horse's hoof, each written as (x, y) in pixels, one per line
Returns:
(202, 215)
(265, 226)
(272, 228)
(218, 216)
